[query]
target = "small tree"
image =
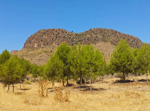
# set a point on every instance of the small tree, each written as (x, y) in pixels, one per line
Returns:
(122, 58)
(54, 68)
(11, 71)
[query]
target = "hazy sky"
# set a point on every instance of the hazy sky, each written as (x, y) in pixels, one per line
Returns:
(21, 18)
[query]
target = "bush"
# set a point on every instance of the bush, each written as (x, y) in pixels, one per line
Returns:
(62, 96)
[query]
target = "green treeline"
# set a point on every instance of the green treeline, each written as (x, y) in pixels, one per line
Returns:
(79, 62)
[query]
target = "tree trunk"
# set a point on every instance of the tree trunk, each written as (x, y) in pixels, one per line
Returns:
(13, 87)
(90, 84)
(85, 81)
(80, 80)
(147, 75)
(67, 82)
(124, 77)
(8, 88)
(63, 82)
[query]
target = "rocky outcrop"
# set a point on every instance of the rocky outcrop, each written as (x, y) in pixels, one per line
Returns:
(47, 37)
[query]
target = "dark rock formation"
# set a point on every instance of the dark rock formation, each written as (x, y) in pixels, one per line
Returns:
(47, 37)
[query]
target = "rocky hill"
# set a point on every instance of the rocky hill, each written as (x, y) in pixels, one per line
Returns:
(43, 43)
(47, 37)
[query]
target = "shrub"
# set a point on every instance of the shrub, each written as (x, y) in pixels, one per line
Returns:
(43, 88)
(62, 96)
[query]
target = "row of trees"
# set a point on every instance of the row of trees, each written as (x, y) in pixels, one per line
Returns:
(80, 61)
(127, 60)
(77, 62)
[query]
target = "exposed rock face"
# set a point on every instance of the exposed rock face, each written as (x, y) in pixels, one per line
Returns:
(47, 37)
(14, 52)
(39, 46)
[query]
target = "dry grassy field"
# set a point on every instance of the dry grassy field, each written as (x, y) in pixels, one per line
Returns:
(106, 96)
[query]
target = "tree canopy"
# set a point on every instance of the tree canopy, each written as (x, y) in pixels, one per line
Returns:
(86, 62)
(121, 59)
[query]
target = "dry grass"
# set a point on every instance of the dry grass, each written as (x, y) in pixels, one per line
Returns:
(115, 97)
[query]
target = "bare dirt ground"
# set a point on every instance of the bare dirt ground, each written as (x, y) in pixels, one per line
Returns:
(106, 96)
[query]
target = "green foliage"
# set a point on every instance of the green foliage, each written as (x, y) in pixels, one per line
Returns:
(54, 68)
(111, 68)
(35, 70)
(12, 71)
(62, 52)
(85, 62)
(136, 63)
(99, 63)
(143, 59)
(77, 61)
(122, 57)
(4, 56)
(26, 66)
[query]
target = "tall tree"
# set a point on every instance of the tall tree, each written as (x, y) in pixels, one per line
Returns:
(62, 52)
(122, 58)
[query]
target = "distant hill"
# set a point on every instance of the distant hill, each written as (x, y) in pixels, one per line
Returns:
(43, 43)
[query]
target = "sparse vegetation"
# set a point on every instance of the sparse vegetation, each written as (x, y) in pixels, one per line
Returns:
(110, 96)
